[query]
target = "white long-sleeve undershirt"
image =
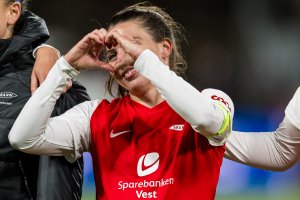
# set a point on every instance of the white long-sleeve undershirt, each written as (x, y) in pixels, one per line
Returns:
(276, 151)
(69, 133)
(196, 108)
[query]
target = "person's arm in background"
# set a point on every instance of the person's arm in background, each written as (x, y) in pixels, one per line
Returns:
(276, 151)
(64, 135)
(34, 29)
(45, 58)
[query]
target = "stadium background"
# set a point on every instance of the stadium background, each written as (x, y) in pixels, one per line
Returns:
(249, 49)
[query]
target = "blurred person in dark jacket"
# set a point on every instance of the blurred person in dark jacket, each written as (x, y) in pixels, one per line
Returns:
(24, 176)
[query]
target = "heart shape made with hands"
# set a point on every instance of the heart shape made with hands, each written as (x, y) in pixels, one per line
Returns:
(125, 55)
(109, 51)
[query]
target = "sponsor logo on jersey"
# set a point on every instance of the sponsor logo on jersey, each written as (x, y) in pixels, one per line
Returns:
(177, 127)
(7, 95)
(113, 135)
(148, 164)
(147, 188)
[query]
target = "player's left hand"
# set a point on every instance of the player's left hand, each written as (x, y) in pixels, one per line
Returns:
(45, 59)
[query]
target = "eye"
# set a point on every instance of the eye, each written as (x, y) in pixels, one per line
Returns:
(111, 56)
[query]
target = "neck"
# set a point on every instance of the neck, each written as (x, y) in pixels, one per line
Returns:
(149, 98)
(8, 34)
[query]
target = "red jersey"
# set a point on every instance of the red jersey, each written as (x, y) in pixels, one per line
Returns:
(150, 153)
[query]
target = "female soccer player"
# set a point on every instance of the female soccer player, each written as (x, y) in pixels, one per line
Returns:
(160, 139)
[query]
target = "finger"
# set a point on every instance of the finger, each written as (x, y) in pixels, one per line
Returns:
(67, 86)
(118, 36)
(88, 41)
(102, 33)
(42, 79)
(33, 82)
(106, 66)
(97, 42)
(97, 36)
(96, 50)
(128, 44)
(65, 89)
(103, 65)
(69, 83)
(94, 36)
(126, 60)
(112, 39)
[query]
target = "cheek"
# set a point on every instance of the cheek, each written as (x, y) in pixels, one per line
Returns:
(1, 28)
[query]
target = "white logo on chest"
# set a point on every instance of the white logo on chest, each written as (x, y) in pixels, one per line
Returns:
(148, 164)
(113, 135)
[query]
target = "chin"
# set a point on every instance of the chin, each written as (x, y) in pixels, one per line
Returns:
(138, 86)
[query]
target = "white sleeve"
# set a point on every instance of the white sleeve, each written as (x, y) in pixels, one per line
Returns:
(196, 108)
(67, 134)
(292, 110)
(276, 151)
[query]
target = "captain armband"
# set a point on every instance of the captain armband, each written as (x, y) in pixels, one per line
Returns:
(221, 136)
(227, 120)
(224, 103)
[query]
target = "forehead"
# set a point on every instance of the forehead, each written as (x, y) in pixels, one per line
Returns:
(132, 27)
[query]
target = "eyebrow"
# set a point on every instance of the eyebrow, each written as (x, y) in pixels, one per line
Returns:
(137, 38)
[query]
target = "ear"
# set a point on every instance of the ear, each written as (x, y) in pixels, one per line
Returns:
(166, 48)
(14, 13)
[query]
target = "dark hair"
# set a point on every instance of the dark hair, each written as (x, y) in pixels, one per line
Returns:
(24, 3)
(160, 25)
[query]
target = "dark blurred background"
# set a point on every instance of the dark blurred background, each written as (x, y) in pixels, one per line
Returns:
(248, 49)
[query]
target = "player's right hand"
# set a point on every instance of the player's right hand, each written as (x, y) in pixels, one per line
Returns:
(85, 54)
